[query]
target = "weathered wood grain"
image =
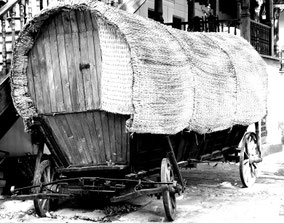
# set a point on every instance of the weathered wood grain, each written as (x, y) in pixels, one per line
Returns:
(99, 131)
(98, 58)
(35, 72)
(63, 62)
(92, 46)
(118, 146)
(71, 63)
(42, 69)
(76, 47)
(55, 66)
(84, 59)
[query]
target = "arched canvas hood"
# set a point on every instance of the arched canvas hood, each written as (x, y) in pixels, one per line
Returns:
(166, 79)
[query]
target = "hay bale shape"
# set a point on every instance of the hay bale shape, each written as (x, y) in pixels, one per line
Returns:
(84, 56)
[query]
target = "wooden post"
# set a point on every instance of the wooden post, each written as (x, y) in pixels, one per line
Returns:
(245, 20)
(258, 134)
(239, 9)
(270, 23)
(191, 9)
(158, 9)
(38, 143)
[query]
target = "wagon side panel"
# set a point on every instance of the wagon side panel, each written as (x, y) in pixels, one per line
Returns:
(91, 138)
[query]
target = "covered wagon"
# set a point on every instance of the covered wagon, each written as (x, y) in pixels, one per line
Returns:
(117, 98)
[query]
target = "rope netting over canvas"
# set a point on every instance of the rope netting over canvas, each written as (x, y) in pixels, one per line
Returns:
(166, 79)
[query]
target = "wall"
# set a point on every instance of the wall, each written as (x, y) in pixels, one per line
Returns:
(16, 141)
(281, 30)
(275, 114)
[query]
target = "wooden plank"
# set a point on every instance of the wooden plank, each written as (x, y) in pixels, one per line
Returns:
(71, 65)
(76, 155)
(72, 169)
(124, 140)
(84, 60)
(58, 136)
(63, 62)
(76, 47)
(94, 137)
(105, 128)
(111, 129)
(92, 58)
(98, 56)
(66, 134)
(75, 126)
(117, 126)
(99, 131)
(37, 80)
(49, 71)
(55, 67)
(42, 68)
(86, 133)
(30, 77)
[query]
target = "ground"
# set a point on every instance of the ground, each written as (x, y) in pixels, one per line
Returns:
(214, 193)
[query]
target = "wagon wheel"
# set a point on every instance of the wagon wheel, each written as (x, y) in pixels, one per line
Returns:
(169, 198)
(250, 149)
(44, 174)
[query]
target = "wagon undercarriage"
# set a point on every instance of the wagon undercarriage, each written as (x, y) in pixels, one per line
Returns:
(118, 183)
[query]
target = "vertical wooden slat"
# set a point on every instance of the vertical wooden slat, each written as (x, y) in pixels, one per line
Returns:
(76, 128)
(124, 140)
(4, 47)
(12, 25)
(84, 59)
(76, 47)
(86, 133)
(98, 56)
(104, 120)
(63, 63)
(50, 75)
(37, 79)
(100, 133)
(118, 137)
(31, 80)
(92, 58)
(59, 137)
(94, 137)
(22, 13)
(70, 57)
(111, 129)
(55, 67)
(76, 155)
(42, 69)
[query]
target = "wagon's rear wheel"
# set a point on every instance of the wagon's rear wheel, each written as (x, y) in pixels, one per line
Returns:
(249, 150)
(169, 198)
(44, 174)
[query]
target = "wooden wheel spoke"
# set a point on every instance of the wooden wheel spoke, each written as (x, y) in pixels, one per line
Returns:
(249, 150)
(169, 200)
(43, 175)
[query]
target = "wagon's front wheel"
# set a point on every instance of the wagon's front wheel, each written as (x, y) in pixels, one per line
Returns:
(44, 174)
(249, 151)
(169, 199)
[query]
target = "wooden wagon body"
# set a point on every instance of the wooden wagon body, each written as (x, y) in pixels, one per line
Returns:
(64, 88)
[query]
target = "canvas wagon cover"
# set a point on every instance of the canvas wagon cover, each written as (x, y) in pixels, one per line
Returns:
(166, 79)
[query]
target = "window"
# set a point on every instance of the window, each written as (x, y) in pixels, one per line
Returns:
(177, 22)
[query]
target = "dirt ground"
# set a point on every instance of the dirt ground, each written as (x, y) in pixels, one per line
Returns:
(214, 193)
